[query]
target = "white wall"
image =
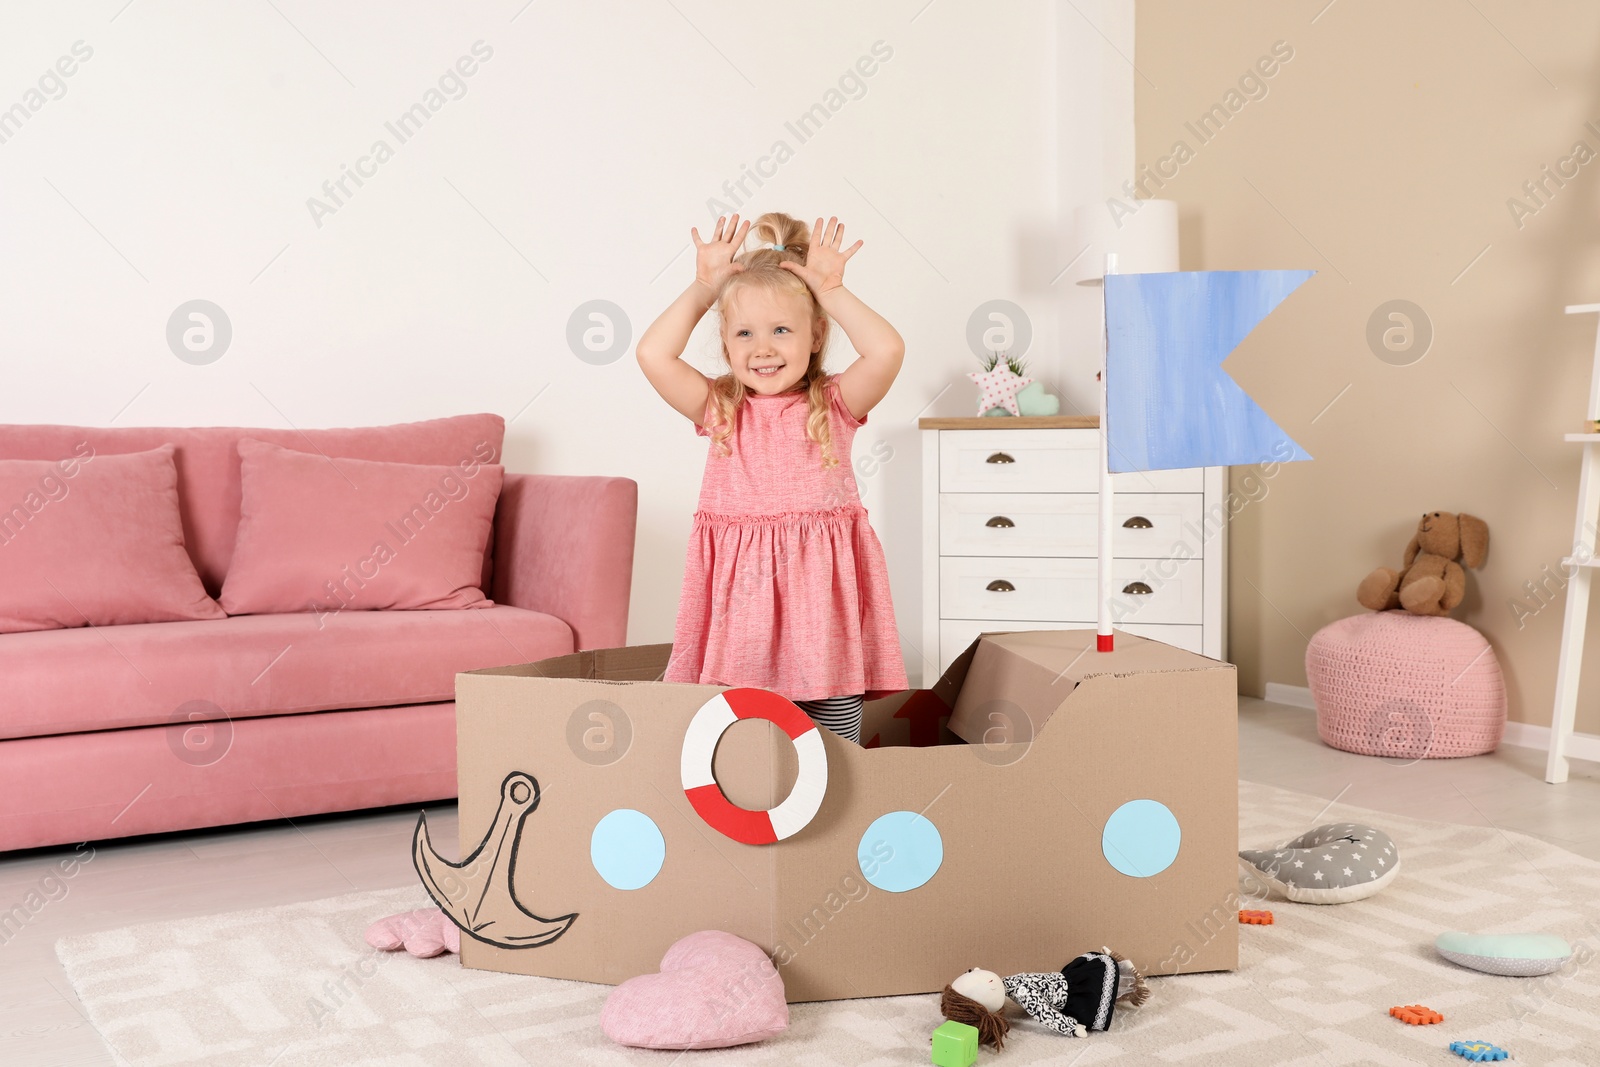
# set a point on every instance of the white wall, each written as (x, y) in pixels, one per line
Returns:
(179, 160)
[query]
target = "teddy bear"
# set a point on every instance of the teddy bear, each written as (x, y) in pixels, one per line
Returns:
(1432, 582)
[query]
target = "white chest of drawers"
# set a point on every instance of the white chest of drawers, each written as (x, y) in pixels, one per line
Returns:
(1010, 521)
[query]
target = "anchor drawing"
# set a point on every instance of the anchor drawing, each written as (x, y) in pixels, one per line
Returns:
(477, 893)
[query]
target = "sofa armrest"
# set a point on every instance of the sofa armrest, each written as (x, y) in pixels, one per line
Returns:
(564, 546)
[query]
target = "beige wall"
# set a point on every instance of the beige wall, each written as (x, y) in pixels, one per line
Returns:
(1383, 154)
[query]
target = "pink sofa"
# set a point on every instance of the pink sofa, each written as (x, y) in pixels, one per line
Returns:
(117, 730)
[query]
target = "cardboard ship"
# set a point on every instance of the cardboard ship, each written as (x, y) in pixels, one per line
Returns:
(1041, 800)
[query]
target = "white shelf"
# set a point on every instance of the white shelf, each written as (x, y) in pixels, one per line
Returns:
(1576, 613)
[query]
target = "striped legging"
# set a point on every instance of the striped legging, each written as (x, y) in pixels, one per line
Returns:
(842, 715)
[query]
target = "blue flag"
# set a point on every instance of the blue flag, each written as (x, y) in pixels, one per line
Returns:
(1169, 404)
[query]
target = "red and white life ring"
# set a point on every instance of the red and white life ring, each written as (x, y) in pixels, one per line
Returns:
(700, 785)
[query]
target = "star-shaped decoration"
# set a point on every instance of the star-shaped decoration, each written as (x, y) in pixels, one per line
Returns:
(1382, 862)
(1299, 863)
(1317, 876)
(1327, 858)
(998, 388)
(1347, 872)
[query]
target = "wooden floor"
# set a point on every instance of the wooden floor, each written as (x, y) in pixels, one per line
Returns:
(196, 874)
(1278, 745)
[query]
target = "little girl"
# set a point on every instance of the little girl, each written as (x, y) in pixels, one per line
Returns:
(785, 587)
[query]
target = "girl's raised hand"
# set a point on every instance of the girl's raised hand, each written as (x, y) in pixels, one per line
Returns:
(713, 259)
(824, 265)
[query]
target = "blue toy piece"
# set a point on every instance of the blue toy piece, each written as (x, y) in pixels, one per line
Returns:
(1478, 1051)
(955, 1045)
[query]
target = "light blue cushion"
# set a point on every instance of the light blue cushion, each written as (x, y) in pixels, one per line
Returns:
(1515, 955)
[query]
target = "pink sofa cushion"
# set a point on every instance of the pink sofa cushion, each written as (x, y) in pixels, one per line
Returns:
(208, 463)
(94, 540)
(330, 534)
(72, 681)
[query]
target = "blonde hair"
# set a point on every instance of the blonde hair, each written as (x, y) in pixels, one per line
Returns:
(760, 263)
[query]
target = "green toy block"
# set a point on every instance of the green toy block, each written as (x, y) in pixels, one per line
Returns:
(955, 1045)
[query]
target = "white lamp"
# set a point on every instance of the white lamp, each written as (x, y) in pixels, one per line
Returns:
(1142, 234)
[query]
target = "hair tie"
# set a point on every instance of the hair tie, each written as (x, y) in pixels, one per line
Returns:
(776, 247)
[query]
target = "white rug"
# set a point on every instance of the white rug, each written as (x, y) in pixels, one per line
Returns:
(296, 985)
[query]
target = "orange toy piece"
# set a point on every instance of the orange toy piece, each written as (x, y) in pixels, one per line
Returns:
(1416, 1015)
(1256, 918)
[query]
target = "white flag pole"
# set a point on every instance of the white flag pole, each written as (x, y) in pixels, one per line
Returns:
(1103, 639)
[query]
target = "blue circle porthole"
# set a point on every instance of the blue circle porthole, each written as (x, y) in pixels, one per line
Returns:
(627, 849)
(1141, 838)
(900, 851)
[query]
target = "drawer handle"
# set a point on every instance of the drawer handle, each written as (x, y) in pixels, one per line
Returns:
(1000, 585)
(1000, 522)
(1000, 457)
(1138, 589)
(1138, 522)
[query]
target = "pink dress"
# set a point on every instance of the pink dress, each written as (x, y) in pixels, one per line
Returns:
(785, 587)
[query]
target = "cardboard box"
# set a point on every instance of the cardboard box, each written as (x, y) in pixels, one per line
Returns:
(1020, 757)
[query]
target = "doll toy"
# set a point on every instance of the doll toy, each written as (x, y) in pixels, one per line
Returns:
(1080, 997)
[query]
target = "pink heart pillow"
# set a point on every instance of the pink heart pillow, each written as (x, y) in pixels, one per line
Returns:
(714, 990)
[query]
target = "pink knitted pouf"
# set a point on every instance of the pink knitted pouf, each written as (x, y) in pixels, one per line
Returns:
(1389, 683)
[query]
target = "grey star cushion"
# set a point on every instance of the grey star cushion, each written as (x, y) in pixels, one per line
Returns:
(1332, 864)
